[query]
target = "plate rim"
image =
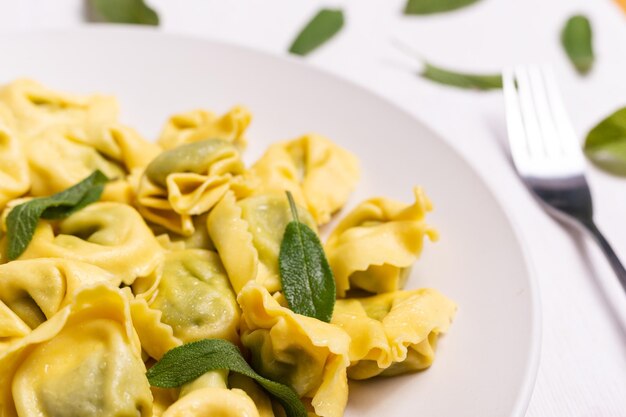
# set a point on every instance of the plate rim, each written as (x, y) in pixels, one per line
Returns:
(524, 395)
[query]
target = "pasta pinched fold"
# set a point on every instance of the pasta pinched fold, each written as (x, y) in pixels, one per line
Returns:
(84, 361)
(112, 236)
(209, 396)
(51, 149)
(194, 296)
(189, 180)
(319, 174)
(247, 235)
(115, 150)
(32, 291)
(198, 125)
(395, 332)
(375, 244)
(307, 354)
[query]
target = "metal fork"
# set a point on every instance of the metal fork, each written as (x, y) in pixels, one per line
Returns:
(546, 152)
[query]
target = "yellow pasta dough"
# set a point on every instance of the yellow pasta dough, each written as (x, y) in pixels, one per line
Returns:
(61, 156)
(393, 333)
(209, 396)
(307, 354)
(34, 290)
(37, 108)
(184, 245)
(112, 236)
(319, 174)
(194, 296)
(56, 162)
(373, 246)
(14, 177)
(247, 235)
(84, 361)
(255, 392)
(199, 239)
(213, 402)
(118, 143)
(198, 125)
(189, 180)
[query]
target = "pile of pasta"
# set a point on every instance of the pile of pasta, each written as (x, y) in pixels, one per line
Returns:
(183, 246)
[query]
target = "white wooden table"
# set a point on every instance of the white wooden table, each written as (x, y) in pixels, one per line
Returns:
(583, 360)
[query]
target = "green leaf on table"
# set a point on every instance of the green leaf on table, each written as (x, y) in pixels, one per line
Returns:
(307, 280)
(435, 6)
(324, 25)
(22, 219)
(605, 144)
(576, 39)
(461, 79)
(124, 11)
(185, 363)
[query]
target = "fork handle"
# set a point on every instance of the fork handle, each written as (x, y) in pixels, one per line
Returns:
(611, 256)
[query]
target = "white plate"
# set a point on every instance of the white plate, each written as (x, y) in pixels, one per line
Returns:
(486, 365)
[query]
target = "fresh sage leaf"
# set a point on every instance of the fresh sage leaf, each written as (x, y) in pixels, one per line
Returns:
(576, 39)
(185, 363)
(461, 79)
(306, 277)
(324, 25)
(22, 219)
(605, 144)
(435, 6)
(124, 11)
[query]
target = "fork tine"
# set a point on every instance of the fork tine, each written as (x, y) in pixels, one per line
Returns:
(514, 122)
(551, 139)
(534, 135)
(567, 136)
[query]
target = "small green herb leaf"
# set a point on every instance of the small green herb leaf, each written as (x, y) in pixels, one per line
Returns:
(22, 220)
(605, 144)
(460, 79)
(307, 280)
(324, 25)
(187, 362)
(576, 39)
(124, 11)
(435, 6)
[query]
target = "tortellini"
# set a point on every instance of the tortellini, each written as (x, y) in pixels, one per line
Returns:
(56, 162)
(84, 361)
(119, 143)
(319, 174)
(65, 138)
(247, 235)
(184, 245)
(189, 180)
(32, 291)
(114, 150)
(194, 296)
(375, 244)
(307, 354)
(198, 125)
(255, 392)
(37, 108)
(213, 402)
(210, 396)
(393, 333)
(14, 178)
(112, 236)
